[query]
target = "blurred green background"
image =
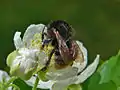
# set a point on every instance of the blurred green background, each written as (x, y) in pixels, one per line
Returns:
(96, 22)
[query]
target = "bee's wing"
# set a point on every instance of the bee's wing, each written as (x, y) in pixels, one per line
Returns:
(63, 49)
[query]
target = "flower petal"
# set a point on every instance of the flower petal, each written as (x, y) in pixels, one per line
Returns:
(83, 53)
(31, 31)
(4, 75)
(63, 84)
(88, 71)
(62, 74)
(25, 63)
(41, 84)
(17, 40)
(42, 59)
(11, 57)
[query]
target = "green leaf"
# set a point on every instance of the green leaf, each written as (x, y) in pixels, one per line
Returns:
(94, 81)
(107, 77)
(95, 85)
(106, 69)
(91, 82)
(110, 70)
(22, 85)
(105, 86)
(116, 72)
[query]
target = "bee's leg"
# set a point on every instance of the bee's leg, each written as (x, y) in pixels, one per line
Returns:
(48, 62)
(43, 33)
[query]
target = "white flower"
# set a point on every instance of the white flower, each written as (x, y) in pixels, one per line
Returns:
(28, 58)
(75, 74)
(24, 60)
(4, 77)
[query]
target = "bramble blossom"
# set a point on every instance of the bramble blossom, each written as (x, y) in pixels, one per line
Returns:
(29, 58)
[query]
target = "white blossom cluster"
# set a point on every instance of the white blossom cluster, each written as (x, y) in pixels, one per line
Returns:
(29, 58)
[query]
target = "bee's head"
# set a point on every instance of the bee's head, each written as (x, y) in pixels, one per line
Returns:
(62, 27)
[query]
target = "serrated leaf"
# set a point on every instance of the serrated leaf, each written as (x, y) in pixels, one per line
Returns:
(106, 77)
(110, 70)
(116, 72)
(105, 69)
(93, 84)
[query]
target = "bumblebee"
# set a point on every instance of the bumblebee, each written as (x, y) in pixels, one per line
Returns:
(59, 33)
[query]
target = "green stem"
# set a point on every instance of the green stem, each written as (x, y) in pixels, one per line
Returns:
(15, 86)
(36, 83)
